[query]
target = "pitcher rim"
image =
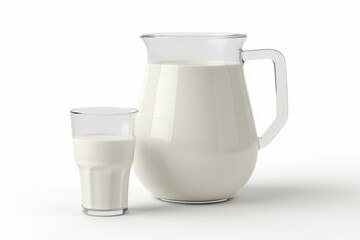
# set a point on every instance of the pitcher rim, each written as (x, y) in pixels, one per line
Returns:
(193, 35)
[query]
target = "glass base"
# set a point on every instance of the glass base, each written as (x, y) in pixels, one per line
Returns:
(104, 213)
(194, 202)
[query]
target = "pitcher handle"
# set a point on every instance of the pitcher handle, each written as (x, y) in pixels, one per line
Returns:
(280, 88)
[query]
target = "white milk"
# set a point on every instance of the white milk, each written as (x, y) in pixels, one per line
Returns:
(104, 162)
(196, 139)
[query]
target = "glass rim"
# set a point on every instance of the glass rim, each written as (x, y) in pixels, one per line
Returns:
(104, 111)
(193, 35)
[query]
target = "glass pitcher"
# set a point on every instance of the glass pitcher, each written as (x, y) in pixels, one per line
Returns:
(196, 138)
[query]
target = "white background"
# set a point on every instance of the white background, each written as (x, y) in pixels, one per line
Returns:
(58, 55)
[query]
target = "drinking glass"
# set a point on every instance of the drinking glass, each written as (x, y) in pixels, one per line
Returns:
(104, 144)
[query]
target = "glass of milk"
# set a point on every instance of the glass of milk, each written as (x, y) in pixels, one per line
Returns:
(104, 145)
